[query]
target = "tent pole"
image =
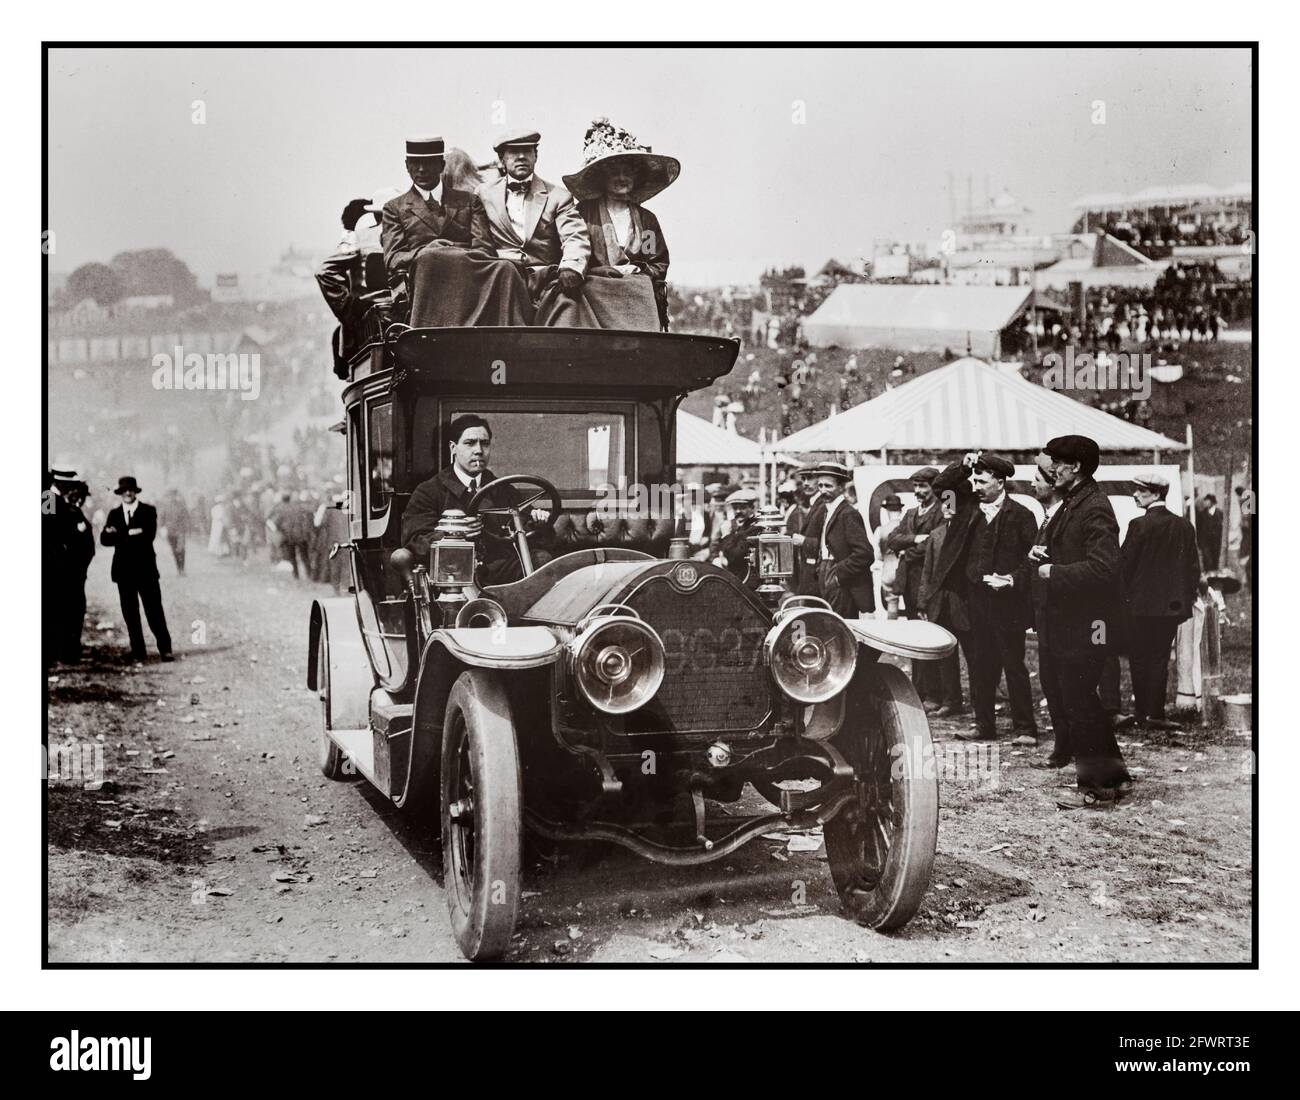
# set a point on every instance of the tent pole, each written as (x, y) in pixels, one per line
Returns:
(1191, 474)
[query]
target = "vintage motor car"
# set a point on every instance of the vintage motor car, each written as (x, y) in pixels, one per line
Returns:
(619, 691)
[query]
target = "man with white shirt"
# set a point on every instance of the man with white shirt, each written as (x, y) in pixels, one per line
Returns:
(470, 440)
(130, 529)
(997, 573)
(532, 222)
(836, 536)
(439, 255)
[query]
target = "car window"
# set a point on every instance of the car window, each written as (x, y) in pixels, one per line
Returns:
(575, 449)
(380, 454)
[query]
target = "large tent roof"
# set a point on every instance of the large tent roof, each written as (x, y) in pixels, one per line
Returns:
(700, 443)
(920, 306)
(967, 405)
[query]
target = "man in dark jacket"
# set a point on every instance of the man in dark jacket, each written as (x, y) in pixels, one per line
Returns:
(439, 253)
(291, 523)
(176, 518)
(809, 518)
(908, 540)
(997, 571)
(1083, 614)
(130, 529)
(69, 547)
(1050, 499)
(452, 487)
(844, 554)
(947, 585)
(734, 548)
(949, 610)
(1209, 532)
(1161, 576)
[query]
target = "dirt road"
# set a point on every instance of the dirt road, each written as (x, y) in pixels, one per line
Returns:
(215, 838)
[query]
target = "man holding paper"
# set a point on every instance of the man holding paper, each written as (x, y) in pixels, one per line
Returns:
(997, 569)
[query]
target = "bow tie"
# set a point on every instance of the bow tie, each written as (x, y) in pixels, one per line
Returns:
(518, 187)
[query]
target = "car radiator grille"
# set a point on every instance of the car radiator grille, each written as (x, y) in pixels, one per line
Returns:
(714, 677)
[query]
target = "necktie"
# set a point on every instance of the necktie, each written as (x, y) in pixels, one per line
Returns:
(518, 188)
(473, 486)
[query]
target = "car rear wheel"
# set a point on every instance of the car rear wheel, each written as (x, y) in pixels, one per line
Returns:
(482, 816)
(330, 757)
(881, 845)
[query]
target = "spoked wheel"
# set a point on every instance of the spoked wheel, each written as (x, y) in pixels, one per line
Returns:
(330, 757)
(482, 816)
(881, 845)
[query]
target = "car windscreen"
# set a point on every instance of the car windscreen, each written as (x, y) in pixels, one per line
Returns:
(579, 447)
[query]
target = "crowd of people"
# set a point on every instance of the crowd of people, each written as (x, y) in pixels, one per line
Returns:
(972, 559)
(1156, 236)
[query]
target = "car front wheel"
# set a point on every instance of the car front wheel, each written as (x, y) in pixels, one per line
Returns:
(482, 816)
(880, 846)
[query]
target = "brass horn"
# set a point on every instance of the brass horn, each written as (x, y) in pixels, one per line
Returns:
(481, 613)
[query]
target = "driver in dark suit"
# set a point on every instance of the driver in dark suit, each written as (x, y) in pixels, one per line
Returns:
(452, 487)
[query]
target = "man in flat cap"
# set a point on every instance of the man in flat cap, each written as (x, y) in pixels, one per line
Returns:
(1162, 571)
(997, 572)
(908, 540)
(439, 254)
(533, 222)
(1083, 616)
(734, 547)
(844, 554)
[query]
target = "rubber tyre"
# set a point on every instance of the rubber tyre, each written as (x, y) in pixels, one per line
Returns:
(895, 807)
(482, 845)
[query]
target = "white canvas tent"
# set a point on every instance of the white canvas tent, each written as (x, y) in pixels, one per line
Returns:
(967, 405)
(921, 317)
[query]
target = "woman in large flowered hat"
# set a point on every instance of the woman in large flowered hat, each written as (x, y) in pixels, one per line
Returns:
(618, 175)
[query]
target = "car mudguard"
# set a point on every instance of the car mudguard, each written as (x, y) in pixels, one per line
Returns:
(334, 625)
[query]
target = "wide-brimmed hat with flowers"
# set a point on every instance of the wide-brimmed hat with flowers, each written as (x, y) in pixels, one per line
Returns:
(605, 143)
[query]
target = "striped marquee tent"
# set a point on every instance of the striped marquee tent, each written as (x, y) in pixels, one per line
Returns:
(968, 405)
(700, 443)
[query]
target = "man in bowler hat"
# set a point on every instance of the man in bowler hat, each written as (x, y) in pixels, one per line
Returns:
(1083, 614)
(130, 529)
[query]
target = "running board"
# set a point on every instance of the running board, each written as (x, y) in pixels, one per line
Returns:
(359, 747)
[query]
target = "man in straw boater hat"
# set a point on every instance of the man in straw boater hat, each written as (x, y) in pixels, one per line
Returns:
(532, 222)
(837, 535)
(1162, 572)
(440, 257)
(130, 529)
(1082, 615)
(618, 175)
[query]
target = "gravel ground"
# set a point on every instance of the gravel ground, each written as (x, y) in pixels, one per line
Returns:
(215, 838)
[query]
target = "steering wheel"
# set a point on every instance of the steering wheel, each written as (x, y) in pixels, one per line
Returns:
(519, 533)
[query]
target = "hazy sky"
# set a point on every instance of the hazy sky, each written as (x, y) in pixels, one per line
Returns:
(291, 135)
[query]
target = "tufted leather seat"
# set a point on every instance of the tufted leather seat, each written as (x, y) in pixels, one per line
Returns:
(583, 531)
